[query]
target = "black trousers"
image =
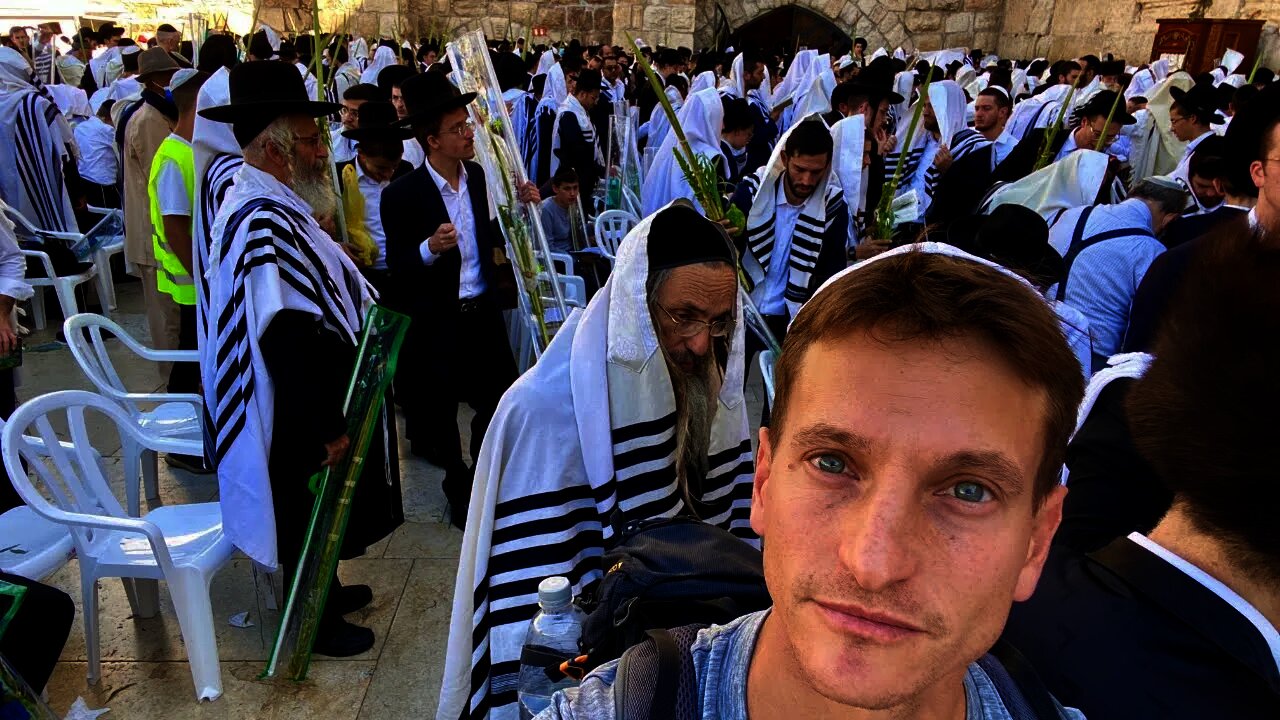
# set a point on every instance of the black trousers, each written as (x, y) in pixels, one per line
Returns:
(184, 377)
(34, 639)
(482, 369)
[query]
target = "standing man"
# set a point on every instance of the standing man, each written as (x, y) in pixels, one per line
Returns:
(344, 147)
(34, 149)
(1106, 251)
(977, 151)
(145, 125)
(286, 310)
(1191, 116)
(442, 257)
(169, 38)
(575, 141)
(797, 226)
(765, 132)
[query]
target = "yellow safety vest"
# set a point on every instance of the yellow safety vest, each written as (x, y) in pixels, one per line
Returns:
(173, 278)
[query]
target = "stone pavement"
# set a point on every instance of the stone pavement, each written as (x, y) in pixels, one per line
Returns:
(144, 669)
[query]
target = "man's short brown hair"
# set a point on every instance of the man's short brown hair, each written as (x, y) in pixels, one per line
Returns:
(928, 296)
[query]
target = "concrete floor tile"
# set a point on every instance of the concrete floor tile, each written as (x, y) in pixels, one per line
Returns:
(407, 682)
(133, 691)
(425, 540)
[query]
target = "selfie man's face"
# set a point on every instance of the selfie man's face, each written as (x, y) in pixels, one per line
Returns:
(895, 504)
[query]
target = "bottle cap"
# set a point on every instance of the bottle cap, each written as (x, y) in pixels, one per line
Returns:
(555, 591)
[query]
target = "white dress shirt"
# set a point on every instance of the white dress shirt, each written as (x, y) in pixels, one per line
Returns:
(99, 161)
(462, 216)
(1001, 147)
(125, 87)
(1183, 170)
(1068, 147)
(372, 191)
(413, 153)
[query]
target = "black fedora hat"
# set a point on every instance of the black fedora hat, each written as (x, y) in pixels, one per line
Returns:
(1101, 104)
(261, 91)
(1018, 238)
(1201, 100)
(428, 95)
(376, 122)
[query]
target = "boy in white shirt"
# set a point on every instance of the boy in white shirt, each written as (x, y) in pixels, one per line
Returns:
(99, 161)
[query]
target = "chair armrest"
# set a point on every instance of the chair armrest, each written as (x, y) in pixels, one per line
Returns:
(44, 259)
(106, 522)
(170, 355)
(159, 397)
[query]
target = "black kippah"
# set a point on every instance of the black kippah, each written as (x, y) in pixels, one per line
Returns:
(679, 235)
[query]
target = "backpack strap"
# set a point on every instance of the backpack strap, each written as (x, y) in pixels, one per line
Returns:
(1020, 688)
(656, 679)
(1079, 243)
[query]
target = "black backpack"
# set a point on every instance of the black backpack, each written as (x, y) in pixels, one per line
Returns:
(663, 574)
(656, 680)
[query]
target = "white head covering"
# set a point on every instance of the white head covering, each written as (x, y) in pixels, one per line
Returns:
(702, 81)
(702, 119)
(1231, 60)
(797, 75)
(949, 104)
(359, 49)
(1070, 182)
(546, 61)
(15, 73)
(384, 57)
(737, 84)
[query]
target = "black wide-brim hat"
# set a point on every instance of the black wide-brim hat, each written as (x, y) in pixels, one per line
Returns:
(263, 90)
(1101, 104)
(429, 95)
(1018, 237)
(1202, 99)
(377, 122)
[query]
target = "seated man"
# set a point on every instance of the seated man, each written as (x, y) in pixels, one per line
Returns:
(557, 217)
(634, 411)
(906, 493)
(1181, 622)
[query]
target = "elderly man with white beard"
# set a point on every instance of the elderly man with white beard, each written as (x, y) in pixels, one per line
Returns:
(285, 312)
(635, 411)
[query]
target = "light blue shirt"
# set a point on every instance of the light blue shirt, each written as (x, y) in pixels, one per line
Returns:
(775, 277)
(1105, 276)
(721, 659)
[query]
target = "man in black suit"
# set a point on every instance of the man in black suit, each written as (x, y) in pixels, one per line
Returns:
(1182, 622)
(1084, 135)
(444, 253)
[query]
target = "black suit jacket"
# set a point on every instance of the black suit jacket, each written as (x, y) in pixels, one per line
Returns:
(1021, 160)
(961, 187)
(1122, 634)
(413, 209)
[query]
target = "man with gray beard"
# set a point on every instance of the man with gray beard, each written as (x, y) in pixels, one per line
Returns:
(635, 411)
(286, 308)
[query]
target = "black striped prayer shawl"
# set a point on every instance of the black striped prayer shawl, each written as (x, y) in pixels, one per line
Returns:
(806, 241)
(34, 151)
(270, 255)
(581, 444)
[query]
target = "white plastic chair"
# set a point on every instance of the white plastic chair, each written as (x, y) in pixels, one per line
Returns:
(563, 263)
(172, 426)
(31, 546)
(766, 371)
(611, 227)
(64, 286)
(183, 545)
(102, 257)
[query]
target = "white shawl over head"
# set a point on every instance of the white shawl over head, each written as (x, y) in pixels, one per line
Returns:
(545, 62)
(384, 57)
(1155, 150)
(849, 135)
(275, 258)
(737, 83)
(705, 80)
(581, 442)
(702, 119)
(1073, 181)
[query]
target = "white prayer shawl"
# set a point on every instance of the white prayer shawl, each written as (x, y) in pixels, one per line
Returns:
(546, 62)
(705, 80)
(308, 79)
(1155, 150)
(1020, 85)
(359, 53)
(1125, 365)
(656, 129)
(1231, 60)
(1161, 69)
(217, 158)
(72, 101)
(98, 65)
(1073, 181)
(762, 96)
(518, 102)
(585, 435)
(815, 218)
(34, 142)
(1036, 111)
(920, 175)
(555, 88)
(572, 107)
(880, 52)
(903, 84)
(849, 136)
(702, 119)
(737, 86)
(384, 57)
(275, 258)
(816, 97)
(796, 81)
(343, 78)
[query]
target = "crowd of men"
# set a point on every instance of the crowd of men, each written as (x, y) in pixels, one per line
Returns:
(919, 486)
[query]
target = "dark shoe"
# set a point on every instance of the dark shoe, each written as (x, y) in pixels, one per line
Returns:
(191, 463)
(339, 638)
(431, 453)
(457, 490)
(350, 598)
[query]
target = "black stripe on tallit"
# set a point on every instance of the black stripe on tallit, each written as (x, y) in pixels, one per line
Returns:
(642, 429)
(35, 163)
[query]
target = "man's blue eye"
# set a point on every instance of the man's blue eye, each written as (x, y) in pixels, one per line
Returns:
(829, 464)
(970, 492)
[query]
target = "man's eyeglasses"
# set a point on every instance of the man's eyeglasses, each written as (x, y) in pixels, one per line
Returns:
(687, 328)
(1174, 119)
(464, 129)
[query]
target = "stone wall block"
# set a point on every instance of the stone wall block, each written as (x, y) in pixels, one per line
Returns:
(682, 19)
(924, 22)
(958, 22)
(986, 21)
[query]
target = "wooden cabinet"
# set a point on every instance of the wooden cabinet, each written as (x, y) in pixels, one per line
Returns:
(1200, 42)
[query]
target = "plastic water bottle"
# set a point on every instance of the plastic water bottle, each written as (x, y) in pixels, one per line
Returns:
(555, 629)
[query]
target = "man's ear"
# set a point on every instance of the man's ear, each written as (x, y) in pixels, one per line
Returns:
(764, 466)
